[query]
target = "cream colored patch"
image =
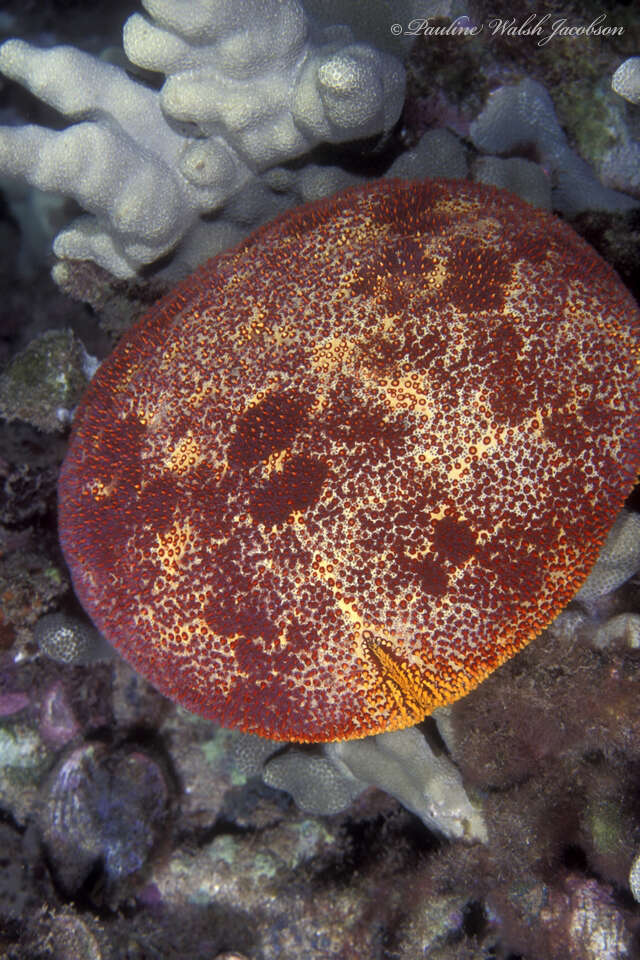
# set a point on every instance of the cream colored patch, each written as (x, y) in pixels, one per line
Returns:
(439, 272)
(172, 547)
(333, 353)
(353, 618)
(99, 490)
(251, 329)
(406, 396)
(275, 462)
(186, 454)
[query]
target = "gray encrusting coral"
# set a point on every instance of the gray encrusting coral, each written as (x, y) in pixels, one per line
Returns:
(71, 640)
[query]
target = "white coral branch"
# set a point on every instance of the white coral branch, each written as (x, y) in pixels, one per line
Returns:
(247, 87)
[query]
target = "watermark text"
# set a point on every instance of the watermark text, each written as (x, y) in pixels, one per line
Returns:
(543, 29)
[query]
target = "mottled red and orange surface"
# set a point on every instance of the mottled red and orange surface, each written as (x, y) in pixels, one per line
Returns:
(347, 469)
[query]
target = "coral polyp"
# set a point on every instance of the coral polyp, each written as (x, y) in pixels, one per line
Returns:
(345, 470)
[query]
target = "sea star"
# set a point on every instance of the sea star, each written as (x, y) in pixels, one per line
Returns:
(345, 470)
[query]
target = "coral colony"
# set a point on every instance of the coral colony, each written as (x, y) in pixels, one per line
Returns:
(248, 86)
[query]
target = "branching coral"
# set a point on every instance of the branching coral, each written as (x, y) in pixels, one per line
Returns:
(522, 116)
(402, 763)
(619, 558)
(248, 85)
(626, 80)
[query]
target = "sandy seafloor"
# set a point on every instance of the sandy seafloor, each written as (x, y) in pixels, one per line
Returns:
(126, 831)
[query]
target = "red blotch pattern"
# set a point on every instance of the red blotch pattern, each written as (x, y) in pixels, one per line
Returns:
(344, 471)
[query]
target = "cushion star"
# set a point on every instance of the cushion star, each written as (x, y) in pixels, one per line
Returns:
(348, 468)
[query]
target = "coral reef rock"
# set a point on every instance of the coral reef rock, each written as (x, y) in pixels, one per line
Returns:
(102, 807)
(44, 382)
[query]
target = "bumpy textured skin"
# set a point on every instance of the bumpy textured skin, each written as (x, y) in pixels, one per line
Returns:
(347, 469)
